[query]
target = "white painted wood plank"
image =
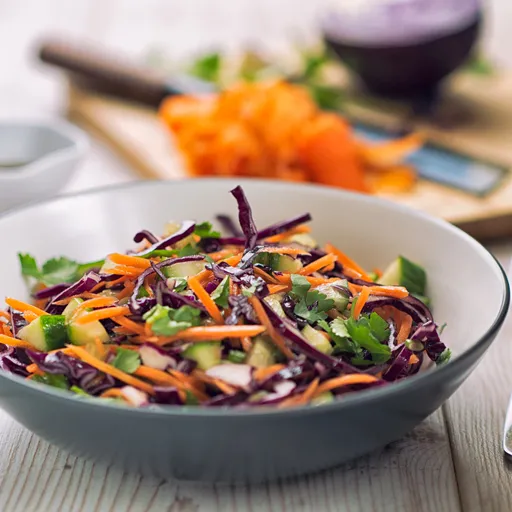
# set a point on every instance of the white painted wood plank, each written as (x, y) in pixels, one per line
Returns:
(415, 473)
(475, 417)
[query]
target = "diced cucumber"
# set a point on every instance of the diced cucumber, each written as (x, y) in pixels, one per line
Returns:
(404, 272)
(205, 354)
(323, 398)
(302, 239)
(340, 299)
(274, 301)
(86, 333)
(171, 228)
(262, 353)
(107, 265)
(279, 262)
(48, 332)
(187, 269)
(317, 339)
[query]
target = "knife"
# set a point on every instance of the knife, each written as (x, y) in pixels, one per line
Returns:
(94, 69)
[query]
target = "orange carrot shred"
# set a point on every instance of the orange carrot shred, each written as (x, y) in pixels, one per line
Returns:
(271, 330)
(209, 332)
(4, 314)
(346, 261)
(413, 359)
(7, 331)
(292, 251)
(246, 343)
(86, 357)
(102, 314)
(309, 393)
(13, 342)
(360, 302)
(261, 374)
(277, 288)
(112, 393)
(318, 264)
(129, 324)
(405, 328)
(97, 302)
(287, 234)
(19, 305)
(129, 261)
(205, 298)
(266, 277)
(345, 380)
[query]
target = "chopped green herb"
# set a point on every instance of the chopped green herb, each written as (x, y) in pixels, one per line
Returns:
(361, 332)
(205, 230)
(78, 391)
(188, 250)
(221, 293)
(166, 321)
(126, 360)
(444, 357)
(237, 356)
(54, 380)
(190, 399)
(207, 67)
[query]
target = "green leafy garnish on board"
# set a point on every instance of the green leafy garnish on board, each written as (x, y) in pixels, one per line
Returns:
(126, 360)
(207, 67)
(165, 321)
(55, 270)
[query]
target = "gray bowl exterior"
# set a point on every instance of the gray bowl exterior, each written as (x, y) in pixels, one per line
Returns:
(248, 447)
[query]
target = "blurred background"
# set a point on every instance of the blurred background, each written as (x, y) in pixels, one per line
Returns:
(471, 118)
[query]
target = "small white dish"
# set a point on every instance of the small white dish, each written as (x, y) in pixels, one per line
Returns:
(37, 158)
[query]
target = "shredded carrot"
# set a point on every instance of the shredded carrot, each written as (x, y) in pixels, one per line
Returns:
(4, 314)
(102, 314)
(205, 298)
(223, 386)
(7, 330)
(266, 277)
(234, 260)
(13, 342)
(345, 380)
(210, 332)
(405, 328)
(82, 354)
(126, 291)
(33, 368)
(361, 301)
(398, 292)
(164, 379)
(413, 359)
(392, 152)
(271, 330)
(377, 271)
(292, 251)
(222, 254)
(309, 393)
(100, 348)
(234, 288)
(18, 305)
(346, 261)
(315, 266)
(246, 343)
(130, 325)
(261, 374)
(277, 288)
(97, 302)
(111, 284)
(124, 270)
(352, 273)
(287, 234)
(112, 393)
(204, 275)
(313, 281)
(129, 261)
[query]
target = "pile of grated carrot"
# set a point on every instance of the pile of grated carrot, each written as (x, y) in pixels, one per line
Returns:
(275, 130)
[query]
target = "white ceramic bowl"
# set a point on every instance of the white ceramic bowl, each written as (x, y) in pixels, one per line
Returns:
(37, 158)
(467, 286)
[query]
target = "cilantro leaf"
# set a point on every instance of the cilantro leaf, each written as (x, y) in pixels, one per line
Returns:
(300, 286)
(444, 357)
(379, 327)
(205, 230)
(360, 332)
(313, 306)
(59, 270)
(188, 250)
(338, 334)
(237, 356)
(54, 380)
(126, 360)
(78, 391)
(55, 270)
(221, 293)
(166, 321)
(28, 266)
(207, 67)
(180, 284)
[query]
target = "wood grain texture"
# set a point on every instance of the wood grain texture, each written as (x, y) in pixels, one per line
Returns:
(475, 417)
(415, 473)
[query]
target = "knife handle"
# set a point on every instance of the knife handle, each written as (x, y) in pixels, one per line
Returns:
(95, 69)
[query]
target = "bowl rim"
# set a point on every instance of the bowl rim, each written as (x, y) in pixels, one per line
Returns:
(76, 147)
(360, 398)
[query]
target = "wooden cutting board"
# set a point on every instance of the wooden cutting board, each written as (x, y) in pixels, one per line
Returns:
(484, 104)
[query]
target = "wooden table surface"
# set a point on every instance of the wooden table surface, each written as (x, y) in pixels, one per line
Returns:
(451, 462)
